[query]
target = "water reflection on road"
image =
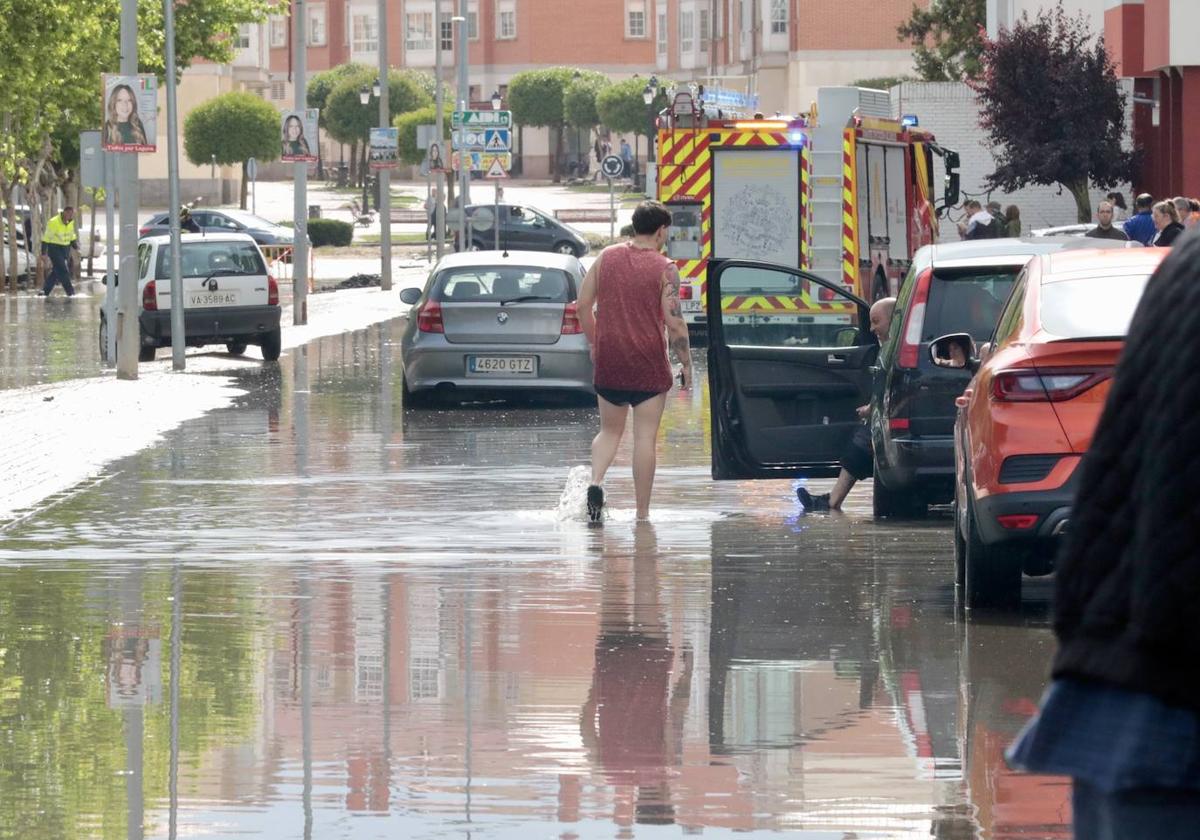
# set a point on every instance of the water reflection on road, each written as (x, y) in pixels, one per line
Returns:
(314, 614)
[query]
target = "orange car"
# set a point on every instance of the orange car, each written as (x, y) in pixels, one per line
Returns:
(1030, 412)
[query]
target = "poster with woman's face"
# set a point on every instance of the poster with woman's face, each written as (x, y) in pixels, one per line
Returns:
(130, 108)
(298, 135)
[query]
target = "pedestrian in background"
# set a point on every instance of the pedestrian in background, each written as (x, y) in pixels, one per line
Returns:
(979, 222)
(1166, 222)
(1012, 221)
(1140, 228)
(1120, 208)
(858, 460)
(1104, 228)
(998, 224)
(1122, 713)
(626, 158)
(186, 222)
(628, 303)
(57, 242)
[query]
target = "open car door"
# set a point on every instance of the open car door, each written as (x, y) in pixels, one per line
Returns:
(788, 365)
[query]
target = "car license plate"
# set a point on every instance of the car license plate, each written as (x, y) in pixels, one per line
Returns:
(218, 298)
(501, 365)
(691, 305)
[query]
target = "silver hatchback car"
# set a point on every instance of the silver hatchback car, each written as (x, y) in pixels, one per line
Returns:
(490, 322)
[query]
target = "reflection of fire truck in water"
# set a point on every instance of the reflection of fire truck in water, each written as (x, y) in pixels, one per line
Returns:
(845, 193)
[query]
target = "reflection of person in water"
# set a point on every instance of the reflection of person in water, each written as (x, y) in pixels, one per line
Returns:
(294, 144)
(122, 125)
(632, 722)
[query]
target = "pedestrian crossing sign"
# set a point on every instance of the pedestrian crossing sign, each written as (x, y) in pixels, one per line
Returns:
(498, 140)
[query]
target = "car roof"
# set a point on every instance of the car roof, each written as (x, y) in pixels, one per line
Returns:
(1028, 246)
(533, 259)
(165, 238)
(1093, 262)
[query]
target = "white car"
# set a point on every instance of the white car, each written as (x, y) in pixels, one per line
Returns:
(229, 298)
(1063, 230)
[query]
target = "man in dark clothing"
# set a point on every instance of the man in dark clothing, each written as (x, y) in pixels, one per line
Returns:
(1122, 713)
(979, 223)
(1140, 227)
(1104, 228)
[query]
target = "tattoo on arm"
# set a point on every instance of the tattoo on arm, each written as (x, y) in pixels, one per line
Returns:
(671, 292)
(681, 349)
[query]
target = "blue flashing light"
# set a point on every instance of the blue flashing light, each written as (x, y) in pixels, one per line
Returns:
(796, 138)
(909, 120)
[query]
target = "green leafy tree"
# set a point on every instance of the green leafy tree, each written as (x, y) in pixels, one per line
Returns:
(579, 100)
(947, 39)
(407, 125)
(537, 99)
(232, 127)
(623, 109)
(1053, 109)
(349, 121)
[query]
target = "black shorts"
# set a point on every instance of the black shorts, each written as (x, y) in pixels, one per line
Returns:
(630, 398)
(858, 458)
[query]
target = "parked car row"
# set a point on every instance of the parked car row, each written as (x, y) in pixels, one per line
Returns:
(984, 395)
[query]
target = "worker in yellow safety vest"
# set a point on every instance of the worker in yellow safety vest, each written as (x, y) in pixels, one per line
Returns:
(57, 242)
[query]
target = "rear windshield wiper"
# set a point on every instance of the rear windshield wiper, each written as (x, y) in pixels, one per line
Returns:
(525, 299)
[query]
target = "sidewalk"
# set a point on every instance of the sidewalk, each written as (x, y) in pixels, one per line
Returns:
(62, 435)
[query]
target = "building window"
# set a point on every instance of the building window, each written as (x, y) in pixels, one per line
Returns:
(278, 27)
(704, 30)
(779, 17)
(316, 25)
(447, 35)
(473, 25)
(278, 90)
(687, 31)
(243, 36)
(661, 28)
(635, 18)
(418, 29)
(506, 20)
(366, 33)
(346, 24)
(718, 24)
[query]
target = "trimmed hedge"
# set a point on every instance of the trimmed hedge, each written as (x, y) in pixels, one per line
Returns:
(330, 232)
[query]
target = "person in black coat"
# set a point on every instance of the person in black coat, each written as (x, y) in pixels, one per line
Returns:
(1166, 221)
(1122, 714)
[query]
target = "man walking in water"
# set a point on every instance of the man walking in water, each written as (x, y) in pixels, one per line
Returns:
(628, 305)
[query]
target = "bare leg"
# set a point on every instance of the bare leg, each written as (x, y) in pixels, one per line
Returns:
(841, 489)
(646, 419)
(604, 445)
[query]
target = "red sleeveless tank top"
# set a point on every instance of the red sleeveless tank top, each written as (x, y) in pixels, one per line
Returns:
(631, 341)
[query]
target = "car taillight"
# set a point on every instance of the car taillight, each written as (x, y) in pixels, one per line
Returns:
(685, 291)
(272, 291)
(429, 318)
(150, 297)
(914, 322)
(143, 231)
(1045, 385)
(899, 424)
(570, 322)
(1017, 521)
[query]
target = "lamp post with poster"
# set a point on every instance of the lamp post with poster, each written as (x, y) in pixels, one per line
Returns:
(364, 97)
(648, 94)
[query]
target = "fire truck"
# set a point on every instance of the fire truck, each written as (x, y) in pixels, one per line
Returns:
(844, 192)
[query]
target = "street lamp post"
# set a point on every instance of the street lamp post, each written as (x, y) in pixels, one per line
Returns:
(364, 96)
(497, 101)
(648, 94)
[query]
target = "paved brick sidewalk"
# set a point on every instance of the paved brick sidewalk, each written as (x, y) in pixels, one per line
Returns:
(46, 453)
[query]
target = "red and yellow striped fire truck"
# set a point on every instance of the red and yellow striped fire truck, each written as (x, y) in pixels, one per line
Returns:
(844, 192)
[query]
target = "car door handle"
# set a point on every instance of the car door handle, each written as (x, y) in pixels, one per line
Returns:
(835, 359)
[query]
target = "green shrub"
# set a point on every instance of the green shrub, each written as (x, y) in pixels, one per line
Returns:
(330, 232)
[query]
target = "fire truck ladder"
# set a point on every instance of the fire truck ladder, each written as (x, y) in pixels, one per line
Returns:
(826, 255)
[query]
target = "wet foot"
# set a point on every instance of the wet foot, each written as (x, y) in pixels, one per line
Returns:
(595, 502)
(811, 503)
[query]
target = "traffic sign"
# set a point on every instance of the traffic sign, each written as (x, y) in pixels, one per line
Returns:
(483, 119)
(496, 170)
(480, 161)
(465, 139)
(252, 169)
(498, 140)
(612, 166)
(483, 218)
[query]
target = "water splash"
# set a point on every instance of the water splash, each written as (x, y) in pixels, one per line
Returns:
(572, 504)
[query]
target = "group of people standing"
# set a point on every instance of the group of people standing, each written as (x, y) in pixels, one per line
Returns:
(990, 222)
(1156, 223)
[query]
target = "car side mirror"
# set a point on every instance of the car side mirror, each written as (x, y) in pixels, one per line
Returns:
(410, 296)
(846, 337)
(955, 351)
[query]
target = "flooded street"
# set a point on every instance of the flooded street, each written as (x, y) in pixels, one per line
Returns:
(314, 614)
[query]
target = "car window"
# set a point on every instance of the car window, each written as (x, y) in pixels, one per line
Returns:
(222, 222)
(770, 307)
(200, 259)
(966, 300)
(1092, 307)
(524, 217)
(1010, 318)
(888, 351)
(485, 284)
(144, 252)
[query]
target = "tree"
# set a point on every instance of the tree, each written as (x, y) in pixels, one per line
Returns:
(232, 127)
(349, 121)
(536, 98)
(579, 100)
(623, 109)
(407, 125)
(1053, 109)
(947, 39)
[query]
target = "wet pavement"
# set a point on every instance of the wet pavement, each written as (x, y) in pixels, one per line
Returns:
(315, 614)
